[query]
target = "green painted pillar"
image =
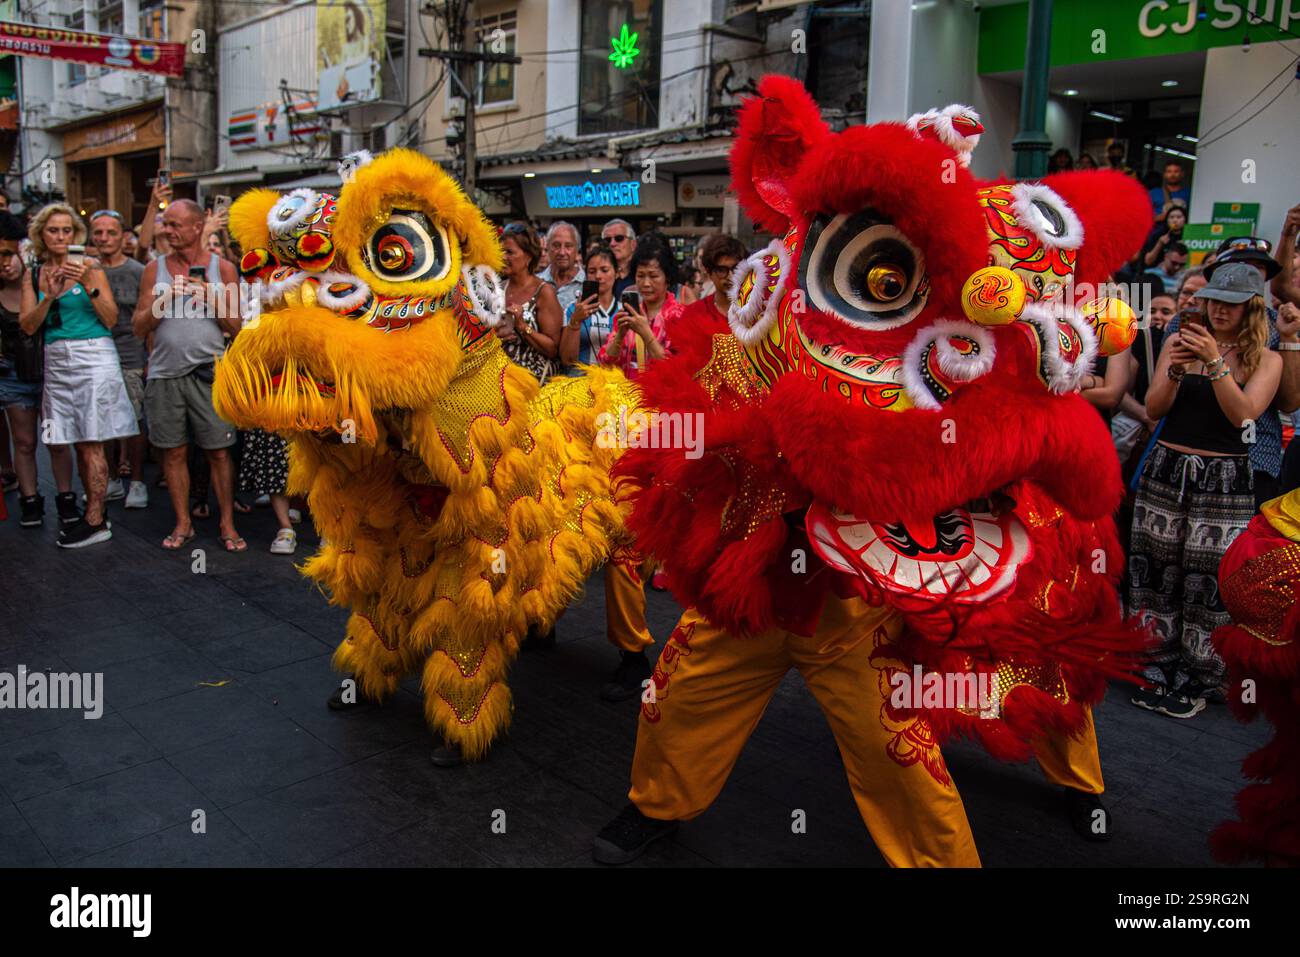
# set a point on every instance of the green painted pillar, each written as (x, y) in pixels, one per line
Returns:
(1032, 143)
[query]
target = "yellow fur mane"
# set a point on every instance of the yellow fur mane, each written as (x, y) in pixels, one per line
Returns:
(458, 504)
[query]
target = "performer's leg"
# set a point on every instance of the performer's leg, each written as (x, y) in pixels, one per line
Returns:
(898, 776)
(625, 604)
(709, 690)
(1072, 761)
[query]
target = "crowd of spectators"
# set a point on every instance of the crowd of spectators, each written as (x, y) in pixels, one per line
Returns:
(108, 339)
(105, 374)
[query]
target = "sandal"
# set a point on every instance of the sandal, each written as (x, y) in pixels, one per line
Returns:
(124, 470)
(200, 510)
(242, 507)
(234, 543)
(174, 543)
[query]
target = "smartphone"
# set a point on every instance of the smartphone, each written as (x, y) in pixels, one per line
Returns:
(164, 177)
(220, 204)
(632, 298)
(76, 255)
(1191, 317)
(589, 288)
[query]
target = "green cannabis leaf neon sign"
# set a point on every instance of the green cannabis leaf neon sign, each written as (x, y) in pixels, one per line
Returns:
(625, 50)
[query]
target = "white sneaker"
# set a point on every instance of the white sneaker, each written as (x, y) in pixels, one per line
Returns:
(295, 516)
(286, 542)
(138, 496)
(112, 493)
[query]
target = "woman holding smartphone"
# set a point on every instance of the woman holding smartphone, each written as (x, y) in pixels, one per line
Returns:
(1214, 378)
(589, 320)
(1162, 234)
(84, 402)
(640, 333)
(530, 329)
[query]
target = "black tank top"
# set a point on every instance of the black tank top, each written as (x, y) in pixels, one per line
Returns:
(1197, 422)
(9, 332)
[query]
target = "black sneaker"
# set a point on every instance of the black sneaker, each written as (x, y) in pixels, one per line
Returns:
(33, 511)
(1150, 697)
(1176, 704)
(1212, 695)
(626, 837)
(83, 533)
(447, 755)
(66, 503)
(1088, 816)
(626, 680)
(337, 702)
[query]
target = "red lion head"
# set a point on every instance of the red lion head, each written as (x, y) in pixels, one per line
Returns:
(904, 285)
(898, 390)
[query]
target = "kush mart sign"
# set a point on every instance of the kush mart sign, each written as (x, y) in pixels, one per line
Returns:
(1091, 31)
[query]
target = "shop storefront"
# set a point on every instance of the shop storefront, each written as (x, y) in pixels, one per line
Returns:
(111, 161)
(1210, 84)
(590, 200)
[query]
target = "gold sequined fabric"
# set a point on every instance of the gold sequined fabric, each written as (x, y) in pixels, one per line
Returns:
(756, 501)
(1045, 677)
(478, 389)
(1261, 592)
(465, 700)
(729, 367)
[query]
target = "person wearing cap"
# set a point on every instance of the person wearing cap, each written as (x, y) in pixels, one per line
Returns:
(1283, 337)
(1251, 250)
(1214, 380)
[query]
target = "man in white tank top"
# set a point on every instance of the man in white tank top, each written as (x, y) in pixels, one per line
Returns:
(189, 319)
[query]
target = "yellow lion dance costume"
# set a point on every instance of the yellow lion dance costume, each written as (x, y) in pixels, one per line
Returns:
(457, 503)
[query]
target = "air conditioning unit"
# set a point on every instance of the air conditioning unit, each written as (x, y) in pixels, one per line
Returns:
(377, 141)
(115, 83)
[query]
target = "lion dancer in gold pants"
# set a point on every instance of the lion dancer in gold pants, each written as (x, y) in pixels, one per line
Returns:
(709, 691)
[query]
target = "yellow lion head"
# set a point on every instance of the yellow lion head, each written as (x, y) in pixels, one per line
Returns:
(370, 301)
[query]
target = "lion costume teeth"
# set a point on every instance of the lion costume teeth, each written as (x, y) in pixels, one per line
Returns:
(458, 504)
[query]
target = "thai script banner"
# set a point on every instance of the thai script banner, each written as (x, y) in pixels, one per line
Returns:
(99, 49)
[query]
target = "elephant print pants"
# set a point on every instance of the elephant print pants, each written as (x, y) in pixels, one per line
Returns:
(1188, 510)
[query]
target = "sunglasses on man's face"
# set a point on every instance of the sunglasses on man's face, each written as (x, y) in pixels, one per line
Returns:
(617, 239)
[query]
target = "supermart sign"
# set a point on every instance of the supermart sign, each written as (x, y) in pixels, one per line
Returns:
(1090, 31)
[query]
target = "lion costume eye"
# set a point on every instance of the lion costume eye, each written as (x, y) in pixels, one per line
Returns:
(863, 270)
(1042, 211)
(408, 247)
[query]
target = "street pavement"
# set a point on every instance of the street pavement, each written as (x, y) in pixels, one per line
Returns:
(215, 688)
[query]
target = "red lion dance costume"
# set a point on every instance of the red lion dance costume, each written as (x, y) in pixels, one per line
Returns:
(1259, 578)
(897, 472)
